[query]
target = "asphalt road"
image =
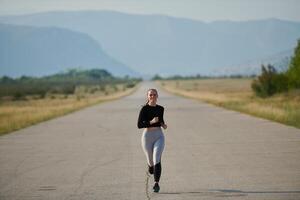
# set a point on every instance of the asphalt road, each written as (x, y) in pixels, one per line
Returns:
(96, 153)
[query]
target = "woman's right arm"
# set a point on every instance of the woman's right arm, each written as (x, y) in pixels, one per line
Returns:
(142, 121)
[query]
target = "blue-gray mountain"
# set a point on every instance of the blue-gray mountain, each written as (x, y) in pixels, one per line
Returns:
(37, 51)
(154, 44)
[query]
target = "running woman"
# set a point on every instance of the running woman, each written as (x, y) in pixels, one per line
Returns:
(151, 118)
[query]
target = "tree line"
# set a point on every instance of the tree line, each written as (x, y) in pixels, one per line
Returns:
(60, 83)
(198, 76)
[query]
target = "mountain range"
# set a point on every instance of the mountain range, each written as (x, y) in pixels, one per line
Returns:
(38, 51)
(158, 44)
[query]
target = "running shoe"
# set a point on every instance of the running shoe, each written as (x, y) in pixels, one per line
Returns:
(156, 188)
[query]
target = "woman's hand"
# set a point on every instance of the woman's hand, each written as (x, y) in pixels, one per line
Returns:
(154, 120)
(164, 126)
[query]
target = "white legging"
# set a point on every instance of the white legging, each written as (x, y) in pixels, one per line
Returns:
(153, 143)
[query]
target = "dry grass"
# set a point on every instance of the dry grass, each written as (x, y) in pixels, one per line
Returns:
(236, 94)
(15, 115)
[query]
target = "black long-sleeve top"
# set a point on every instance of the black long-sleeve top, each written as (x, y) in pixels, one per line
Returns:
(147, 113)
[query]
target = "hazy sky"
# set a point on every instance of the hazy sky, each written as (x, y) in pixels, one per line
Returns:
(206, 10)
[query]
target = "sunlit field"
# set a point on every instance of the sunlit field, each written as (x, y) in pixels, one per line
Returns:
(17, 114)
(236, 94)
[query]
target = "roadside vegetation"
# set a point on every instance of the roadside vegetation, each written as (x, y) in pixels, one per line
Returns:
(26, 101)
(271, 82)
(271, 95)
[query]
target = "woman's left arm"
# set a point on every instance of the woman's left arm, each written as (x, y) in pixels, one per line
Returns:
(162, 119)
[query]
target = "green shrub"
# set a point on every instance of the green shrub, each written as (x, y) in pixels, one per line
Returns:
(294, 69)
(42, 93)
(157, 77)
(18, 96)
(269, 82)
(130, 85)
(115, 88)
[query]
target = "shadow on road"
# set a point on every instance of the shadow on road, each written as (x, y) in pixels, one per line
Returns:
(229, 193)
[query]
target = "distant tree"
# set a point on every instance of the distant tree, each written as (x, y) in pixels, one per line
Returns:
(293, 72)
(157, 77)
(6, 79)
(198, 76)
(18, 96)
(25, 78)
(176, 77)
(236, 76)
(98, 74)
(269, 82)
(130, 84)
(72, 72)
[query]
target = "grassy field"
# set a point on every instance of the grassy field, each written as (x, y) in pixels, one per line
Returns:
(15, 115)
(236, 94)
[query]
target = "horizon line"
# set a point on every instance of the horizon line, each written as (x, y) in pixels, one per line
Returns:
(143, 14)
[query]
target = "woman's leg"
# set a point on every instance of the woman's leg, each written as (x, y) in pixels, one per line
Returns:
(147, 146)
(157, 153)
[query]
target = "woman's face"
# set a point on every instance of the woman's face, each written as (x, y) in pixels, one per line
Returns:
(152, 96)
